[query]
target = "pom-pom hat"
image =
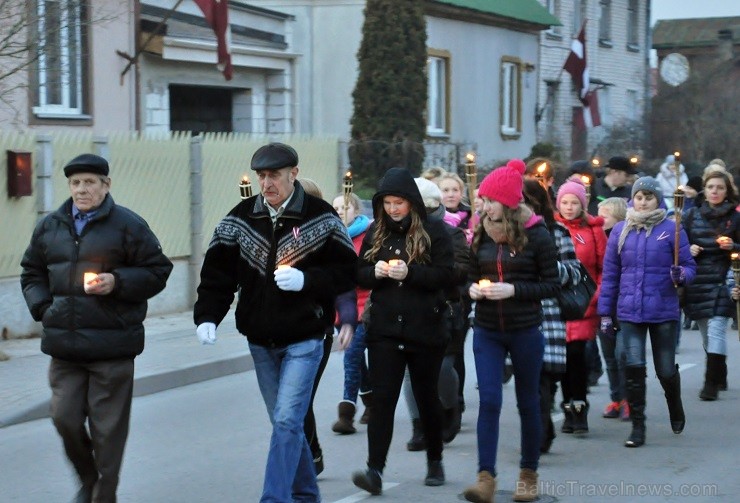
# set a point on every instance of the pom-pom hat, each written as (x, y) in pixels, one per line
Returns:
(648, 184)
(574, 188)
(504, 184)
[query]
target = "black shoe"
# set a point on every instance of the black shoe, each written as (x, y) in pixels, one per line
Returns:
(568, 418)
(318, 464)
(417, 441)
(435, 474)
(580, 417)
(637, 437)
(369, 480)
(84, 495)
(452, 419)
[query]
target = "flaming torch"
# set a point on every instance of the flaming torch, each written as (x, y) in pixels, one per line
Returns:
(539, 173)
(736, 273)
(245, 188)
(471, 176)
(586, 181)
(347, 186)
(678, 200)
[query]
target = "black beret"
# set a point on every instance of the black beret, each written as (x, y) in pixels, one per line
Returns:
(86, 163)
(621, 164)
(274, 156)
(581, 168)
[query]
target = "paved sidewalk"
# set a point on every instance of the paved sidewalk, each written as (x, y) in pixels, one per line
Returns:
(172, 357)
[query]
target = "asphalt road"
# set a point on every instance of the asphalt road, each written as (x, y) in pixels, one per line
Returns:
(207, 442)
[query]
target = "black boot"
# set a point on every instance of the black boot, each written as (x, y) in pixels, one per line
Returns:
(579, 409)
(452, 421)
(636, 399)
(435, 473)
(370, 480)
(367, 401)
(548, 434)
(568, 419)
(417, 442)
(711, 377)
(672, 388)
(722, 373)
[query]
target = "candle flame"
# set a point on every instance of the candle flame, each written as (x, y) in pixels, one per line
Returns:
(542, 168)
(245, 180)
(633, 160)
(677, 154)
(470, 157)
(595, 162)
(348, 175)
(586, 180)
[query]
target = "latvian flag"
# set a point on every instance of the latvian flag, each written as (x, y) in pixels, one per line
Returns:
(577, 67)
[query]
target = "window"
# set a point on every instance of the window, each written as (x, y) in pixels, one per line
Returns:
(438, 92)
(632, 106)
(553, 7)
(511, 82)
(579, 15)
(633, 18)
(605, 21)
(60, 69)
(605, 106)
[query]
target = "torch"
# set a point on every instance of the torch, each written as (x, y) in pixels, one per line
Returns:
(586, 181)
(677, 162)
(678, 199)
(736, 273)
(540, 173)
(245, 188)
(347, 186)
(471, 176)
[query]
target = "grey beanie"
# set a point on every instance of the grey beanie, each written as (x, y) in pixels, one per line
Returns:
(648, 184)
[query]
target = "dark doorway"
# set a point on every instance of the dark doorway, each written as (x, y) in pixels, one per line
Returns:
(200, 109)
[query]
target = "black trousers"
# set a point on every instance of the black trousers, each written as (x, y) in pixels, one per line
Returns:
(575, 381)
(99, 394)
(387, 364)
(309, 422)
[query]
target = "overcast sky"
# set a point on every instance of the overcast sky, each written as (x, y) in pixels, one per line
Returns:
(683, 9)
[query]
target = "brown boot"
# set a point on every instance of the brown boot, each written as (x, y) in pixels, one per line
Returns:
(367, 401)
(344, 424)
(526, 486)
(483, 490)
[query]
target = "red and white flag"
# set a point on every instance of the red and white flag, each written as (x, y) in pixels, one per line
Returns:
(577, 66)
(590, 116)
(217, 16)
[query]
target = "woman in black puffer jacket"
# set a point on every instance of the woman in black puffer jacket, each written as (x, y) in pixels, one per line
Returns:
(407, 261)
(714, 233)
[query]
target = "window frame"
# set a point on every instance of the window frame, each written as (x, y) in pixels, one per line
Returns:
(633, 21)
(70, 40)
(605, 23)
(554, 31)
(437, 111)
(579, 16)
(510, 98)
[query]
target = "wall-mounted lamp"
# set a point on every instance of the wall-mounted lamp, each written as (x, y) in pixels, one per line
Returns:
(19, 173)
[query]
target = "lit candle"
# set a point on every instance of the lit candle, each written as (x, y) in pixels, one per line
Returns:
(595, 162)
(677, 157)
(394, 262)
(88, 279)
(471, 176)
(541, 169)
(484, 283)
(347, 185)
(586, 183)
(245, 188)
(282, 267)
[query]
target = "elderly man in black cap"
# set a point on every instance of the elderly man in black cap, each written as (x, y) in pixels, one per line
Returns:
(288, 255)
(87, 274)
(615, 183)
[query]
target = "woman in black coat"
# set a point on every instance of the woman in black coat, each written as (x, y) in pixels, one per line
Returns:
(714, 233)
(407, 262)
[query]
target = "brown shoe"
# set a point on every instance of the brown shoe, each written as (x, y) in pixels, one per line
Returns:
(526, 486)
(344, 425)
(482, 491)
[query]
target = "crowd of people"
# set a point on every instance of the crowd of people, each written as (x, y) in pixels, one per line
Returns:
(399, 290)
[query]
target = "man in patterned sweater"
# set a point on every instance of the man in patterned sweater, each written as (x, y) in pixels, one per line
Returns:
(288, 255)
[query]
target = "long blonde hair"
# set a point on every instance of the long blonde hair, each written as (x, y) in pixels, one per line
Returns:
(418, 241)
(513, 220)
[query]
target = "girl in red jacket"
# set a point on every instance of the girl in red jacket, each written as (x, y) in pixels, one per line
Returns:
(589, 239)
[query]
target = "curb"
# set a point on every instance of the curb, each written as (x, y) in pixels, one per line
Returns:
(150, 384)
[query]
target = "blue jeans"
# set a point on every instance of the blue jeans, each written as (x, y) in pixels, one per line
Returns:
(286, 377)
(526, 348)
(714, 334)
(356, 377)
(611, 346)
(662, 340)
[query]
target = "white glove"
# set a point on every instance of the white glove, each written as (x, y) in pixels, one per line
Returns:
(289, 279)
(206, 333)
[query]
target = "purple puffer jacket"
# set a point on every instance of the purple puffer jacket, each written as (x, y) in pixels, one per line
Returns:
(636, 283)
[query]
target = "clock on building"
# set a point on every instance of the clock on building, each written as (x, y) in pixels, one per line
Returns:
(674, 69)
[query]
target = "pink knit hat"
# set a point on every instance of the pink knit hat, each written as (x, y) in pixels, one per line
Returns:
(575, 188)
(504, 184)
